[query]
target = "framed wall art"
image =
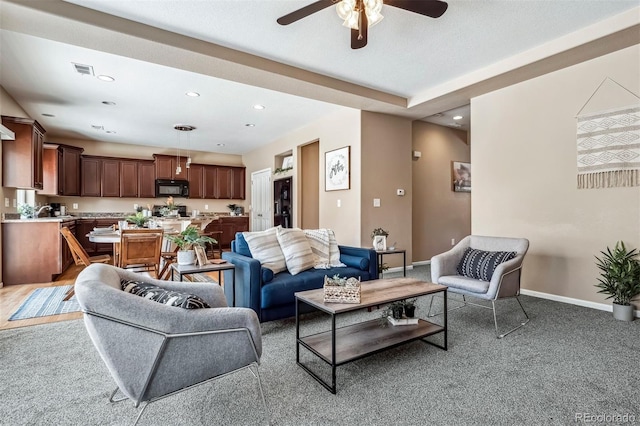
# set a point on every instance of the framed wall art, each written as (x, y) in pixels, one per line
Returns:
(336, 169)
(461, 176)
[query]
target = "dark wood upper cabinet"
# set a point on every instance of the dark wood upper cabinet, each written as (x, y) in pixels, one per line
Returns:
(196, 181)
(129, 178)
(91, 169)
(238, 183)
(110, 177)
(223, 184)
(22, 157)
(146, 179)
(51, 173)
(61, 170)
(166, 166)
(210, 181)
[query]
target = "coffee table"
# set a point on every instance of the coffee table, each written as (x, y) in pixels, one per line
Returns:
(345, 344)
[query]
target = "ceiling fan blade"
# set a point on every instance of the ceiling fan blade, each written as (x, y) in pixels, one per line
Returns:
(358, 42)
(304, 12)
(430, 8)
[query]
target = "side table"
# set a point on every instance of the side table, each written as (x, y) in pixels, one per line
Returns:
(382, 253)
(212, 267)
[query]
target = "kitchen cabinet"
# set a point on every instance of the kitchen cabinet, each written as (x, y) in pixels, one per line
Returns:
(196, 181)
(210, 181)
(228, 225)
(61, 170)
(91, 169)
(22, 157)
(128, 178)
(223, 183)
(110, 177)
(166, 167)
(84, 226)
(146, 179)
(238, 183)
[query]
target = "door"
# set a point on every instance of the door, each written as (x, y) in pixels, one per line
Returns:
(261, 199)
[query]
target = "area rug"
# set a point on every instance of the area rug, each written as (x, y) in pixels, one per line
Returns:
(46, 301)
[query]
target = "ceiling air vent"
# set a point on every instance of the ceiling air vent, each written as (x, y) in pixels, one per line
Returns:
(97, 127)
(83, 69)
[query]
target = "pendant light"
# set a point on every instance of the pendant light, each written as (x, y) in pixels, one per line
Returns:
(183, 128)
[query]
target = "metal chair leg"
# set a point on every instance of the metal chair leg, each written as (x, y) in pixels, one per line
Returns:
(256, 373)
(464, 303)
(495, 320)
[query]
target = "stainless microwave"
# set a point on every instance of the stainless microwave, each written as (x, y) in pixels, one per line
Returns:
(173, 188)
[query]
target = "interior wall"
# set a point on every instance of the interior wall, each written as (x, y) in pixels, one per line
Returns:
(310, 186)
(524, 174)
(386, 167)
(102, 205)
(333, 131)
(439, 213)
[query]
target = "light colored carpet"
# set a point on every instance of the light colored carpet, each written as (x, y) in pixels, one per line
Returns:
(46, 301)
(567, 360)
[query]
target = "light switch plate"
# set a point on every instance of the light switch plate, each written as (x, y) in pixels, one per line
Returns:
(376, 202)
(206, 206)
(75, 206)
(339, 203)
(6, 202)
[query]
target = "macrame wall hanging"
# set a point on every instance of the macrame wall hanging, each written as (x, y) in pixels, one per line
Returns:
(609, 145)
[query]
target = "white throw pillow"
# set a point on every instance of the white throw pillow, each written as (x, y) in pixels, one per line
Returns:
(297, 251)
(264, 247)
(334, 251)
(324, 247)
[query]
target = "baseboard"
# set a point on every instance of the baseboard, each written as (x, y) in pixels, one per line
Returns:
(422, 262)
(570, 300)
(399, 269)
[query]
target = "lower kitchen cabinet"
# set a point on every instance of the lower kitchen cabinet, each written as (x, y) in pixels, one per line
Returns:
(228, 225)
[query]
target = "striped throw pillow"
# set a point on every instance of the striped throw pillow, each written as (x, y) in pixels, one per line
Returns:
(480, 264)
(297, 251)
(160, 295)
(264, 247)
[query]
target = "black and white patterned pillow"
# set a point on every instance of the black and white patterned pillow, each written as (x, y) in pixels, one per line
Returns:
(480, 264)
(160, 295)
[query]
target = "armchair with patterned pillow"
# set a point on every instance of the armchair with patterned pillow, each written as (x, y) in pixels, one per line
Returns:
(483, 267)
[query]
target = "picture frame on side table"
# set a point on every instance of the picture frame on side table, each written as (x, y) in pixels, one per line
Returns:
(379, 243)
(201, 256)
(337, 169)
(461, 176)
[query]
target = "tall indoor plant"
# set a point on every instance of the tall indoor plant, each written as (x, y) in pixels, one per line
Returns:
(619, 278)
(185, 242)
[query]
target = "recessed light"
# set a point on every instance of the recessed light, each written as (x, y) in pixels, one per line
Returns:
(457, 117)
(46, 114)
(257, 106)
(250, 125)
(106, 78)
(108, 103)
(219, 144)
(193, 94)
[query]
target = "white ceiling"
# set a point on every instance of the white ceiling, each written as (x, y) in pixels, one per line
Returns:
(412, 62)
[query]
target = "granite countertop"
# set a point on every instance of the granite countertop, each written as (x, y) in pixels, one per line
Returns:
(15, 217)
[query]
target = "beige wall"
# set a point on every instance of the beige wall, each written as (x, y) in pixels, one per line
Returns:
(94, 204)
(333, 131)
(439, 214)
(310, 186)
(524, 174)
(386, 167)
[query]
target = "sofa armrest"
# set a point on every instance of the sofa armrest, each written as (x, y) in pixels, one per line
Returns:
(248, 281)
(364, 253)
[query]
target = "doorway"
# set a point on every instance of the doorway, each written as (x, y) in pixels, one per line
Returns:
(310, 186)
(261, 200)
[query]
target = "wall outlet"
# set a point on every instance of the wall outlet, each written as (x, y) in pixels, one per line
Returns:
(376, 202)
(453, 241)
(135, 207)
(339, 203)
(206, 206)
(6, 202)
(400, 192)
(75, 206)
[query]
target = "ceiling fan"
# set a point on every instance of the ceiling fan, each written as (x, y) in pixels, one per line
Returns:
(359, 15)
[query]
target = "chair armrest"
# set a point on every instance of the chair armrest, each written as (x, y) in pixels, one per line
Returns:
(248, 281)
(505, 281)
(446, 263)
(365, 253)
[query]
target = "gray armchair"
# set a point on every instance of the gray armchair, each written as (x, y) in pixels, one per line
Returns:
(504, 283)
(153, 350)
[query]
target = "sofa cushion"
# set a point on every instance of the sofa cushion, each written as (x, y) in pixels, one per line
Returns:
(324, 247)
(297, 251)
(264, 247)
(480, 264)
(241, 246)
(160, 295)
(361, 263)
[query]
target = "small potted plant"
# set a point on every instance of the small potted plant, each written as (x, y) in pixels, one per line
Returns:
(232, 209)
(620, 279)
(185, 242)
(138, 219)
(170, 208)
(409, 306)
(26, 211)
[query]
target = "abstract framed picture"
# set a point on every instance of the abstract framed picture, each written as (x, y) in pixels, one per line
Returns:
(461, 176)
(336, 169)
(379, 243)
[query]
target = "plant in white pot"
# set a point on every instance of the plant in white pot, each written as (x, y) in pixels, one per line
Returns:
(185, 241)
(26, 211)
(620, 279)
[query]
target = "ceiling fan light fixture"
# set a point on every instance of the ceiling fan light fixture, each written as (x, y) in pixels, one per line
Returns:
(352, 20)
(344, 8)
(374, 17)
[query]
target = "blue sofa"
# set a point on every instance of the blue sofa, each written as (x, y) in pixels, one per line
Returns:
(271, 295)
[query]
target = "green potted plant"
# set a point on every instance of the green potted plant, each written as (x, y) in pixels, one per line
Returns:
(138, 219)
(185, 241)
(232, 208)
(620, 279)
(26, 211)
(379, 237)
(409, 306)
(170, 208)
